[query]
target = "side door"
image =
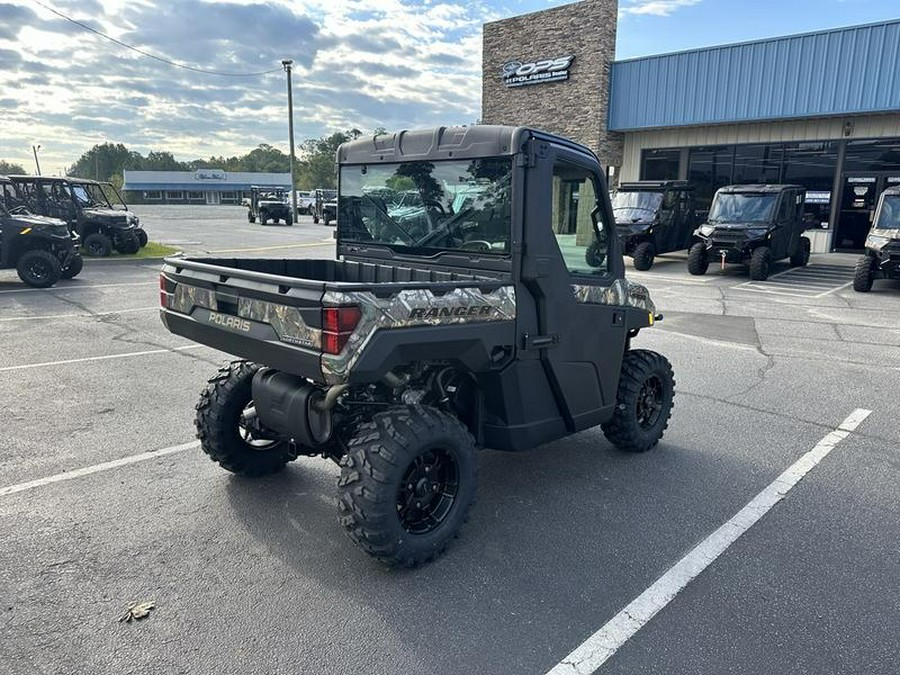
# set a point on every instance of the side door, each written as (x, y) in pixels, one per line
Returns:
(571, 263)
(781, 237)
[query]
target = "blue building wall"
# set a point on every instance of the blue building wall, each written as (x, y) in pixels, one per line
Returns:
(846, 71)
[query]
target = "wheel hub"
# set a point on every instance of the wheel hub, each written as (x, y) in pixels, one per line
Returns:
(649, 402)
(428, 491)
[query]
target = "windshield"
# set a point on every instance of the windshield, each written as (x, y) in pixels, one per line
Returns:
(9, 199)
(742, 208)
(89, 194)
(635, 206)
(328, 195)
(426, 207)
(888, 217)
(113, 196)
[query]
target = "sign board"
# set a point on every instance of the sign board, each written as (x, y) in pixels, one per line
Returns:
(818, 197)
(210, 174)
(524, 73)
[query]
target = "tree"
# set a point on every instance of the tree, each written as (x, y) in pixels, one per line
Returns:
(9, 168)
(104, 161)
(317, 169)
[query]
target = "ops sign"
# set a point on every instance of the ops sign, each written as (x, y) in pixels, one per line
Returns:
(520, 74)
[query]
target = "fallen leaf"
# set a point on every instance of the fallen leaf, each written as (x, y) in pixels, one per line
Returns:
(137, 610)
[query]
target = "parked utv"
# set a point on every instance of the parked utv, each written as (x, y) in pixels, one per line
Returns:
(882, 257)
(269, 203)
(325, 207)
(87, 209)
(410, 350)
(754, 225)
(41, 250)
(652, 218)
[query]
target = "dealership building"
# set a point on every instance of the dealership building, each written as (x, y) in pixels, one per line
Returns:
(204, 186)
(818, 109)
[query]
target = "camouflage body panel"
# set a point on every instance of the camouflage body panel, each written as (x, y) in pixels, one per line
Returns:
(284, 319)
(622, 293)
(417, 307)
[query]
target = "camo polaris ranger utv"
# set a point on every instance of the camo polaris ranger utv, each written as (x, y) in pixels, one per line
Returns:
(269, 203)
(754, 225)
(480, 327)
(87, 209)
(882, 257)
(652, 218)
(42, 250)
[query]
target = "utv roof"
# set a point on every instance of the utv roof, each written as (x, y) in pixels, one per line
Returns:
(480, 140)
(650, 185)
(59, 179)
(757, 188)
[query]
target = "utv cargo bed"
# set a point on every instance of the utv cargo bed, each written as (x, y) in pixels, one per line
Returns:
(311, 317)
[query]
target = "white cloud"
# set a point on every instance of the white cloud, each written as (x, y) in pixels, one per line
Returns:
(654, 7)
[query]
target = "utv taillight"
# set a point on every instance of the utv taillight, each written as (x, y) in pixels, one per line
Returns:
(163, 295)
(338, 324)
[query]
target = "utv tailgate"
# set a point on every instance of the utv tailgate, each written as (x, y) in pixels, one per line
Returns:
(272, 311)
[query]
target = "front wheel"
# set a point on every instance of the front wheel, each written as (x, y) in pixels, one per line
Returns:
(74, 267)
(800, 257)
(643, 256)
(643, 401)
(98, 245)
(128, 245)
(227, 429)
(698, 260)
(143, 239)
(407, 482)
(38, 268)
(863, 276)
(760, 262)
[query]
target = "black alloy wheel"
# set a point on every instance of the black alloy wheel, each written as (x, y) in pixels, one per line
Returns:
(649, 402)
(428, 491)
(39, 268)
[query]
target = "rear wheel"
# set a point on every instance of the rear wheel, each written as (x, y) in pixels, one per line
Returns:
(38, 268)
(698, 260)
(128, 245)
(863, 276)
(407, 482)
(226, 425)
(643, 256)
(327, 220)
(74, 267)
(263, 217)
(593, 254)
(643, 401)
(800, 258)
(289, 220)
(98, 245)
(315, 219)
(760, 262)
(251, 218)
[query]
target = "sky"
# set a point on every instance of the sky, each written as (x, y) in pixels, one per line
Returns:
(357, 64)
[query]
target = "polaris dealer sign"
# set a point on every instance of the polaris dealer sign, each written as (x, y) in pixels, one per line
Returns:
(519, 74)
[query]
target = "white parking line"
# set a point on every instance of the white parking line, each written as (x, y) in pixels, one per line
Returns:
(599, 647)
(59, 289)
(324, 242)
(78, 316)
(96, 468)
(29, 366)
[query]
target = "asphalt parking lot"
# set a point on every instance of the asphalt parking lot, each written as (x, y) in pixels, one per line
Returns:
(257, 576)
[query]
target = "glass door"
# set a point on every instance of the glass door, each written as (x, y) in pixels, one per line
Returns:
(859, 197)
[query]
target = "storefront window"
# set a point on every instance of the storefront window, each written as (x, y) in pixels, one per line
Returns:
(709, 169)
(757, 164)
(660, 164)
(873, 155)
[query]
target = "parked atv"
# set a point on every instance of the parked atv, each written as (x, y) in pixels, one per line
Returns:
(754, 225)
(87, 210)
(882, 257)
(325, 207)
(41, 250)
(653, 218)
(269, 204)
(401, 357)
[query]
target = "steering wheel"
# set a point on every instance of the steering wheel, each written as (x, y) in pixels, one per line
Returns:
(478, 245)
(437, 206)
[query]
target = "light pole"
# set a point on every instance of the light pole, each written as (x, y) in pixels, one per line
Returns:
(34, 149)
(287, 68)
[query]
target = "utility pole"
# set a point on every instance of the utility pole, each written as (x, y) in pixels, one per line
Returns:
(287, 68)
(34, 149)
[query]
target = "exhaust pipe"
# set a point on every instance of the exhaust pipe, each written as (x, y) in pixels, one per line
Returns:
(293, 408)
